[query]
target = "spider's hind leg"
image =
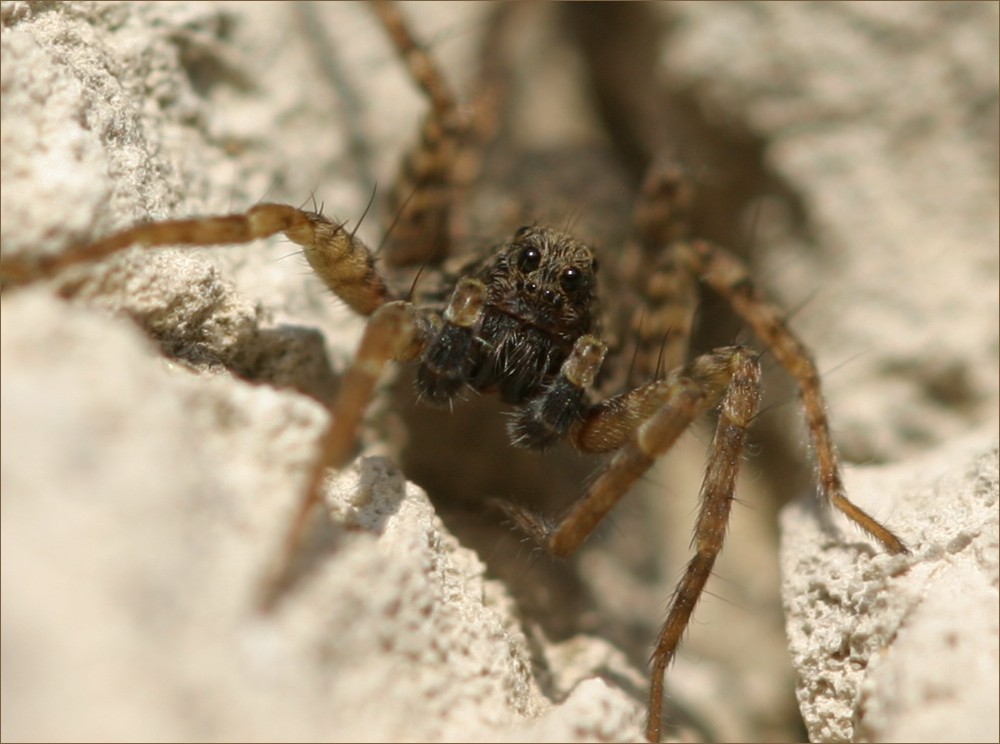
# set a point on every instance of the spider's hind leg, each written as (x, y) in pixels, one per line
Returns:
(419, 204)
(422, 205)
(662, 295)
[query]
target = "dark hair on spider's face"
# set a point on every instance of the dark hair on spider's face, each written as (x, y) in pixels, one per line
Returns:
(546, 279)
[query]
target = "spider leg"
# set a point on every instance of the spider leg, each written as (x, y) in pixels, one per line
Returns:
(425, 199)
(421, 199)
(339, 258)
(664, 290)
(736, 413)
(638, 426)
(397, 331)
(727, 275)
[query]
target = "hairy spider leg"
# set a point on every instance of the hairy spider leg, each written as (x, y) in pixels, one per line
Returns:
(640, 426)
(727, 276)
(666, 290)
(422, 205)
(340, 259)
(419, 204)
(396, 331)
(736, 414)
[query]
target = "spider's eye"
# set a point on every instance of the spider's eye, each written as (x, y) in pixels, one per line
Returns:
(571, 279)
(529, 259)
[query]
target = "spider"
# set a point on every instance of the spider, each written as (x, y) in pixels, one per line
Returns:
(524, 321)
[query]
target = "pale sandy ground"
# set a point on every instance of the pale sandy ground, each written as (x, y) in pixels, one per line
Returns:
(146, 482)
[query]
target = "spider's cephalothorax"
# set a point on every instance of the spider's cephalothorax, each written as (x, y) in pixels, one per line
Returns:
(510, 328)
(536, 297)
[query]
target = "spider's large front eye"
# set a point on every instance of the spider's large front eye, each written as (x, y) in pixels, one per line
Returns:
(571, 279)
(529, 259)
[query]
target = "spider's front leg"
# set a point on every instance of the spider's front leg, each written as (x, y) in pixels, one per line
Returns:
(337, 256)
(736, 413)
(396, 331)
(639, 426)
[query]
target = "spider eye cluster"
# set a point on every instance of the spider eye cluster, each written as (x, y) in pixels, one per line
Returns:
(567, 267)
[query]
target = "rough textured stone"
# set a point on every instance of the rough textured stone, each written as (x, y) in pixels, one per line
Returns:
(902, 648)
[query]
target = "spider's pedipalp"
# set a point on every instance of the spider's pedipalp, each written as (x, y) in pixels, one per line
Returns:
(444, 368)
(547, 419)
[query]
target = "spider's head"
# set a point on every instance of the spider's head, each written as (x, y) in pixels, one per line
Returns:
(547, 279)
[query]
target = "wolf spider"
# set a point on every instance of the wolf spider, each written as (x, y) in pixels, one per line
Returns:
(524, 322)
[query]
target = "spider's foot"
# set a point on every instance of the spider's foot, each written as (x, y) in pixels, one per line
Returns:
(532, 525)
